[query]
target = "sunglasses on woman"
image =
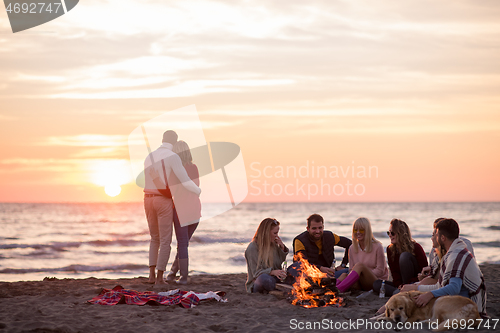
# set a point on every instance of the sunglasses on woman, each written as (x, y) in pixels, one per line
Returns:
(361, 231)
(391, 233)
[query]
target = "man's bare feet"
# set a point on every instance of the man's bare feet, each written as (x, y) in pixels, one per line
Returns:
(152, 275)
(159, 279)
(161, 282)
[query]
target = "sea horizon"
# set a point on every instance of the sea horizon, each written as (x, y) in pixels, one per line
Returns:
(111, 239)
(254, 202)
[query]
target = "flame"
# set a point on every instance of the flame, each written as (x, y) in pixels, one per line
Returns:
(300, 292)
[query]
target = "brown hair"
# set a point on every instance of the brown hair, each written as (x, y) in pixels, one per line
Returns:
(315, 218)
(440, 252)
(181, 148)
(449, 228)
(404, 242)
(170, 137)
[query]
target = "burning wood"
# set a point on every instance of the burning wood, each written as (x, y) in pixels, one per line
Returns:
(314, 288)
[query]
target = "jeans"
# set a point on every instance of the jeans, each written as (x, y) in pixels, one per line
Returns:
(389, 288)
(183, 235)
(342, 271)
(263, 283)
(408, 266)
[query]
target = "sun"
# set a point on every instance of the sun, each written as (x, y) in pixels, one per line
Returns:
(112, 190)
(110, 174)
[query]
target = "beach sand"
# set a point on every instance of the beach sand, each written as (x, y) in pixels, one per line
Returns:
(60, 305)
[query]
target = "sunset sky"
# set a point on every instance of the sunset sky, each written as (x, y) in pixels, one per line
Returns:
(408, 88)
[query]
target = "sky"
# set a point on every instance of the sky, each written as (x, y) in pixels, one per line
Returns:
(332, 101)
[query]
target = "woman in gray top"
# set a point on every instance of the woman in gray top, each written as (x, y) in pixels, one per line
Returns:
(265, 256)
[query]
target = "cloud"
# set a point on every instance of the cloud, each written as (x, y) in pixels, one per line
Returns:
(108, 146)
(70, 171)
(105, 152)
(187, 88)
(36, 162)
(152, 49)
(6, 118)
(301, 73)
(87, 140)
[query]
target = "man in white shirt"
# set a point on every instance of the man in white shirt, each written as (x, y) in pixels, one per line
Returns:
(159, 208)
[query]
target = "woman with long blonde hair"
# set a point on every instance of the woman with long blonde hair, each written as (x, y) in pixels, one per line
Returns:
(264, 257)
(366, 259)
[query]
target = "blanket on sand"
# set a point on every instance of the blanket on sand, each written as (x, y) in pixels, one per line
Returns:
(119, 295)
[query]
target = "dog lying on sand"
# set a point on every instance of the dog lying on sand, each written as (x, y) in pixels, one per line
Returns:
(446, 309)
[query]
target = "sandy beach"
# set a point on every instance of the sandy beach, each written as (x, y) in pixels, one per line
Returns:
(60, 305)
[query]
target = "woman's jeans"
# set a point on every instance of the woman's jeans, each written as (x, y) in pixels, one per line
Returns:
(264, 283)
(408, 267)
(183, 235)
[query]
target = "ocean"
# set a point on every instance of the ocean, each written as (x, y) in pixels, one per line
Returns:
(111, 240)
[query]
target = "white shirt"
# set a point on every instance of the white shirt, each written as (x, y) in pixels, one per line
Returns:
(172, 163)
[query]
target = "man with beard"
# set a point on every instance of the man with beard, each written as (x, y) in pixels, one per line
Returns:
(460, 274)
(317, 246)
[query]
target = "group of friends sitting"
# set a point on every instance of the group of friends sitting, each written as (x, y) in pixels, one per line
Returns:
(451, 269)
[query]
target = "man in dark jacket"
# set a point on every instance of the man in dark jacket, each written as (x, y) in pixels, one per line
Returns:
(317, 246)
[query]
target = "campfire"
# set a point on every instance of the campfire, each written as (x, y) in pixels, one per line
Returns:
(314, 288)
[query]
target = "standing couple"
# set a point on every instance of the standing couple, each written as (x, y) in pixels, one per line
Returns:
(170, 173)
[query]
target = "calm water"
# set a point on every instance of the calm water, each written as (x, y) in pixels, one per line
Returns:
(112, 240)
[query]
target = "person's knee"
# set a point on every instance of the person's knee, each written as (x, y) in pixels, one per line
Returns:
(166, 235)
(182, 252)
(294, 269)
(342, 277)
(359, 267)
(182, 242)
(408, 264)
(270, 283)
(340, 272)
(359, 264)
(154, 232)
(260, 278)
(165, 243)
(264, 282)
(405, 257)
(406, 261)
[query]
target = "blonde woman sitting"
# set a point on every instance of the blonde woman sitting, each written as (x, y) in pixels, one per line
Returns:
(265, 256)
(366, 259)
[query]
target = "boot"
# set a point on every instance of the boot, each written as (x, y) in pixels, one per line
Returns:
(173, 271)
(348, 282)
(184, 269)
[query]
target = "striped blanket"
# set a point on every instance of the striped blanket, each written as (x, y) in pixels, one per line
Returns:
(118, 295)
(459, 262)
